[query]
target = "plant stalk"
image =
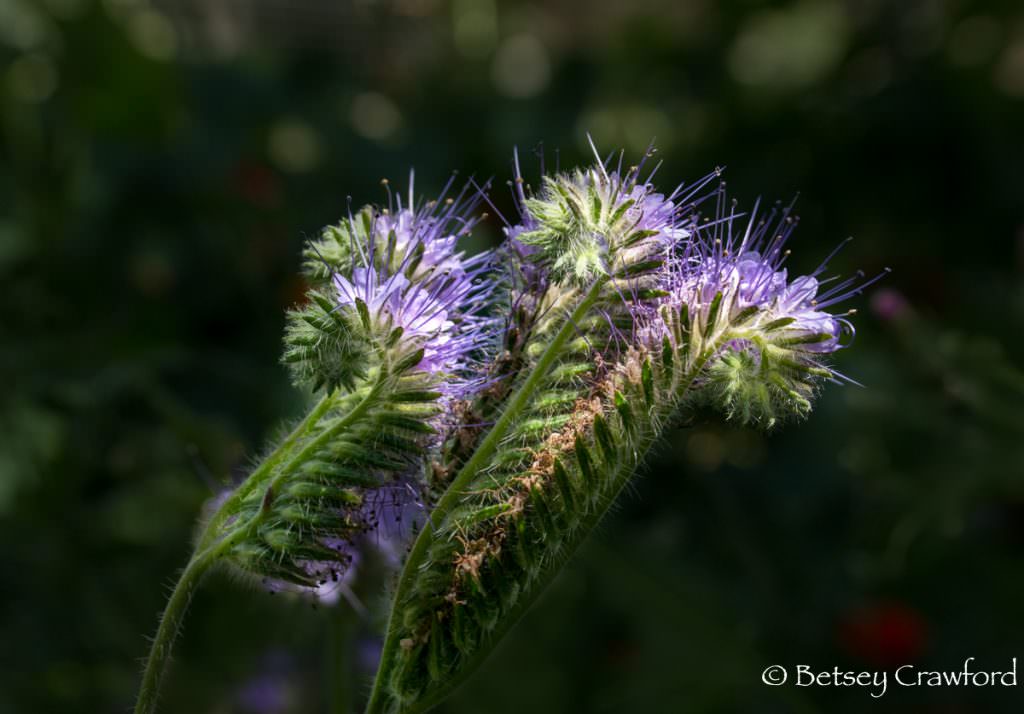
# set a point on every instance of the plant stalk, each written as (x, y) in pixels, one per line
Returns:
(167, 631)
(480, 458)
(209, 549)
(264, 468)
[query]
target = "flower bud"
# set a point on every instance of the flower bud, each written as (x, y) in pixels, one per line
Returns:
(597, 222)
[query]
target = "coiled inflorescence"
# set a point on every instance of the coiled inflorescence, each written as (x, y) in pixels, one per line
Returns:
(390, 280)
(638, 309)
(394, 330)
(770, 334)
(507, 398)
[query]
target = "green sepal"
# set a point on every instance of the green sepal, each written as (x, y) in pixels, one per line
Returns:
(716, 303)
(364, 315)
(637, 236)
(339, 472)
(585, 464)
(408, 361)
(408, 423)
(776, 324)
(604, 438)
(622, 407)
(667, 353)
(415, 395)
(621, 211)
(647, 380)
(564, 484)
(640, 268)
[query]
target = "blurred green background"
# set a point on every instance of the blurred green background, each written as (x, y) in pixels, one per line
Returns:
(161, 162)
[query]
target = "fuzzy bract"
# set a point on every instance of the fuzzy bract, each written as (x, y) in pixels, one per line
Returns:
(600, 221)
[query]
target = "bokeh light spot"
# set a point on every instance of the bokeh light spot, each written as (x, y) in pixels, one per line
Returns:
(374, 116)
(973, 41)
(32, 78)
(789, 49)
(521, 67)
(633, 126)
(22, 26)
(294, 146)
(1009, 72)
(475, 26)
(153, 34)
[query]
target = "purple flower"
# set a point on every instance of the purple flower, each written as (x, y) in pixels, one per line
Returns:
(746, 272)
(409, 277)
(757, 334)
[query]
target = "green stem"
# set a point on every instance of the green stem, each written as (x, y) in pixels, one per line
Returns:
(679, 386)
(228, 507)
(517, 403)
(354, 414)
(170, 625)
(524, 603)
(243, 529)
(480, 458)
(209, 549)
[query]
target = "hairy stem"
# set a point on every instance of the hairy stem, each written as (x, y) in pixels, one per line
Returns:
(210, 549)
(568, 550)
(466, 474)
(170, 625)
(228, 507)
(680, 385)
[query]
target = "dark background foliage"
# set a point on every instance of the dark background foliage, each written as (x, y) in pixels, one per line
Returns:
(161, 162)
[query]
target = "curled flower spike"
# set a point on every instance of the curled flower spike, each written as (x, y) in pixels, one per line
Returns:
(503, 401)
(729, 291)
(394, 333)
(438, 314)
(391, 281)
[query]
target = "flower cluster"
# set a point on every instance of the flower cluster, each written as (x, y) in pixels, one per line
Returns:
(392, 294)
(760, 335)
(390, 281)
(434, 307)
(395, 330)
(509, 396)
